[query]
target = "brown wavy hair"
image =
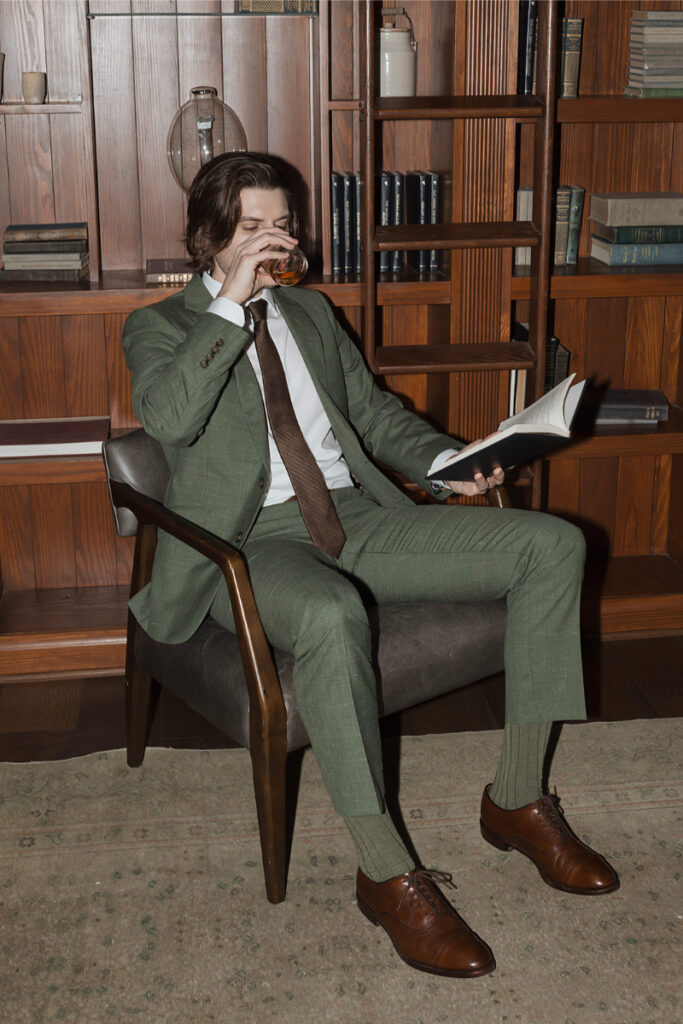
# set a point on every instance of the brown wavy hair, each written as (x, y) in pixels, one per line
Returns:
(214, 206)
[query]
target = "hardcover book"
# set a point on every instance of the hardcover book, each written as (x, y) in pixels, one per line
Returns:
(635, 208)
(45, 232)
(397, 216)
(570, 57)
(636, 254)
(528, 15)
(647, 233)
(337, 226)
(434, 216)
(537, 430)
(349, 215)
(623, 406)
(562, 204)
(417, 212)
(72, 435)
(54, 274)
(55, 245)
(168, 271)
(576, 201)
(383, 214)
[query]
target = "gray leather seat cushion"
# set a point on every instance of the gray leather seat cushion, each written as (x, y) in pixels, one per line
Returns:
(424, 650)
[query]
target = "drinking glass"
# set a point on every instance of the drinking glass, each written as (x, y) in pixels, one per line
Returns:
(289, 269)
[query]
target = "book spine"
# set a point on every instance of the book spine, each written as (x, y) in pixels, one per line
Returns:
(562, 356)
(572, 33)
(524, 202)
(416, 206)
(550, 360)
(576, 202)
(182, 277)
(632, 414)
(666, 233)
(65, 245)
(337, 228)
(434, 216)
(349, 214)
(384, 204)
(398, 215)
(653, 92)
(45, 234)
(358, 210)
(616, 211)
(527, 32)
(32, 274)
(642, 254)
(562, 201)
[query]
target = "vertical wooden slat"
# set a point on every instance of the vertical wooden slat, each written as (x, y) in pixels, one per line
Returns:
(598, 485)
(42, 367)
(93, 531)
(53, 536)
(69, 168)
(661, 504)
(118, 377)
(85, 365)
(633, 516)
(29, 163)
(23, 42)
(16, 548)
(643, 344)
(63, 68)
(245, 76)
(11, 403)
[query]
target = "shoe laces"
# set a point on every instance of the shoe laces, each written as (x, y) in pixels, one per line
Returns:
(421, 890)
(553, 814)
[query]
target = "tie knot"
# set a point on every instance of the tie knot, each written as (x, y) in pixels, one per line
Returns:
(259, 310)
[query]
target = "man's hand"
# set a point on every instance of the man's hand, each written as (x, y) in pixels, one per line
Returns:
(480, 484)
(243, 275)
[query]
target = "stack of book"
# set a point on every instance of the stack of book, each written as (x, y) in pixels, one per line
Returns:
(655, 54)
(568, 207)
(633, 229)
(45, 252)
(411, 197)
(569, 55)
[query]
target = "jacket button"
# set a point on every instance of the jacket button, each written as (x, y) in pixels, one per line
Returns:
(262, 483)
(219, 343)
(239, 537)
(203, 363)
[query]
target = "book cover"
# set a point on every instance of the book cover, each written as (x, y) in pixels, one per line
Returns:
(622, 406)
(349, 215)
(570, 57)
(417, 212)
(45, 261)
(537, 430)
(46, 246)
(528, 13)
(635, 208)
(562, 202)
(576, 201)
(383, 204)
(73, 435)
(337, 225)
(434, 216)
(45, 232)
(397, 217)
(636, 254)
(646, 233)
(524, 208)
(168, 271)
(33, 274)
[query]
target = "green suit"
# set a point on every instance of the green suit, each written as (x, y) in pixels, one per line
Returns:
(194, 390)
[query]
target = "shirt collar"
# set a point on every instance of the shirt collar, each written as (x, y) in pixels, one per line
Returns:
(213, 286)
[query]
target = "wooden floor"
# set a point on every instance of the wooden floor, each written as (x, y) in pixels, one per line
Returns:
(39, 721)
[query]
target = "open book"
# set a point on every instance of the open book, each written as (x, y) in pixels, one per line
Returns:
(541, 428)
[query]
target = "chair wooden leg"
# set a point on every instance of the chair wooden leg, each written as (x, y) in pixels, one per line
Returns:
(268, 760)
(138, 701)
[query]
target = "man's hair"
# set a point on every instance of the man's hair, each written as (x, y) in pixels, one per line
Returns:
(214, 204)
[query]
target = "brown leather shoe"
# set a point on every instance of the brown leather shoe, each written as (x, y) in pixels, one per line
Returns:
(541, 832)
(423, 926)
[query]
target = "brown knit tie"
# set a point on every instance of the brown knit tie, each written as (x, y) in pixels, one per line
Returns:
(311, 491)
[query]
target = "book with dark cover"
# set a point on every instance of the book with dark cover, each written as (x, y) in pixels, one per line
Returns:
(417, 212)
(570, 57)
(45, 260)
(562, 203)
(358, 268)
(168, 271)
(47, 246)
(653, 92)
(349, 213)
(576, 201)
(646, 233)
(528, 13)
(556, 356)
(45, 232)
(634, 208)
(434, 216)
(624, 405)
(383, 206)
(537, 430)
(397, 216)
(33, 274)
(73, 435)
(636, 254)
(337, 226)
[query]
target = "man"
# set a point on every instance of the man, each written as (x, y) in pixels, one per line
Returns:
(268, 417)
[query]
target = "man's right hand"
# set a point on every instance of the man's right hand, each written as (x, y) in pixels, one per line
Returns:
(240, 265)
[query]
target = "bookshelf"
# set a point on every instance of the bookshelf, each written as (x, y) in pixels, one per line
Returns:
(442, 342)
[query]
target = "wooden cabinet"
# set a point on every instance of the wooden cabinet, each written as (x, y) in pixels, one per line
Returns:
(441, 342)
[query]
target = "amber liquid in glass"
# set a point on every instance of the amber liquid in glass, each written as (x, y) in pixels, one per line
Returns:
(289, 269)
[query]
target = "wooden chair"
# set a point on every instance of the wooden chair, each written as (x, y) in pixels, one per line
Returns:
(238, 682)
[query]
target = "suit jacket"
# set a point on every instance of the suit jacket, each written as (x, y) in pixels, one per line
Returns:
(195, 391)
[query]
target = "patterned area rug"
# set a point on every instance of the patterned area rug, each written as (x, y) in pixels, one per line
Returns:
(137, 894)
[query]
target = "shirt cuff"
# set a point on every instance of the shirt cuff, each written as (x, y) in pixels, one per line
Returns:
(441, 460)
(228, 309)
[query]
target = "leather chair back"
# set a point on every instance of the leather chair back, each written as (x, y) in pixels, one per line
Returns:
(135, 459)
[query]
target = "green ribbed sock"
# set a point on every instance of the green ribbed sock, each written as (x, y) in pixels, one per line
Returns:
(381, 851)
(519, 777)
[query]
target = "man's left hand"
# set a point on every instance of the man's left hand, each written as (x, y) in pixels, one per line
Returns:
(480, 484)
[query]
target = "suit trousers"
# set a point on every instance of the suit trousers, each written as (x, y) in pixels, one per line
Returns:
(315, 606)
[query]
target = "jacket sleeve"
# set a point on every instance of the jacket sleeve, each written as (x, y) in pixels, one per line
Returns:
(179, 369)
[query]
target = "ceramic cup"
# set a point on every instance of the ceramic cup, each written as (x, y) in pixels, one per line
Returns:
(33, 86)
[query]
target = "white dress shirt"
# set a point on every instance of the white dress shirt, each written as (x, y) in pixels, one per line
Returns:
(308, 408)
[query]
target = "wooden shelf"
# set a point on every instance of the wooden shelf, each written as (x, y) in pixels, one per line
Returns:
(454, 358)
(73, 107)
(79, 631)
(591, 279)
(656, 439)
(617, 109)
(639, 596)
(423, 108)
(479, 235)
(53, 469)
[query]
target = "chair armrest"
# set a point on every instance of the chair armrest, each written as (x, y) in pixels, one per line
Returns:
(262, 680)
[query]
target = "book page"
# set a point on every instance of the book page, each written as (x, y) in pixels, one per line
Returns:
(551, 408)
